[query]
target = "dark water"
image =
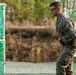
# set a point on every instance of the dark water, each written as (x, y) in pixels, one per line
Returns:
(32, 74)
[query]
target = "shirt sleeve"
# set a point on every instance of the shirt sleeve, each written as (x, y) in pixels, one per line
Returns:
(68, 30)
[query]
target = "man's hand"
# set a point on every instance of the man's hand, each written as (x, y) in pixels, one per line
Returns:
(58, 39)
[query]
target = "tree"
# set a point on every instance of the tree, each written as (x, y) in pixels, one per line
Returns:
(35, 11)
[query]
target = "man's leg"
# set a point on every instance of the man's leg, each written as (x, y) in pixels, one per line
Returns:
(69, 68)
(63, 61)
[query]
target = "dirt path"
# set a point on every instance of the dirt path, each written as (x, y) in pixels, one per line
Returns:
(26, 68)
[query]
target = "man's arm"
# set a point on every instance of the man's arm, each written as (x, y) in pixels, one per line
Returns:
(69, 32)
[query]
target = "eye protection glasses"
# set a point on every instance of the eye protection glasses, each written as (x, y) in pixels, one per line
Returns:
(53, 9)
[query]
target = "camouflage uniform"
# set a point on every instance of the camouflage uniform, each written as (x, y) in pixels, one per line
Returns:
(65, 30)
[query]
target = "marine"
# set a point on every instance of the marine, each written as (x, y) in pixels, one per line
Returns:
(66, 34)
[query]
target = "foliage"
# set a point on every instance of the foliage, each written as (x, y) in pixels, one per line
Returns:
(36, 11)
(70, 8)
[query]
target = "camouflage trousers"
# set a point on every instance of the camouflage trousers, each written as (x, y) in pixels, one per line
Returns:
(64, 63)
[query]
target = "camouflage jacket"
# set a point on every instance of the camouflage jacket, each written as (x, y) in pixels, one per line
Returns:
(65, 29)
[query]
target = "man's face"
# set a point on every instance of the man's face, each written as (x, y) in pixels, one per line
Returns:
(54, 10)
